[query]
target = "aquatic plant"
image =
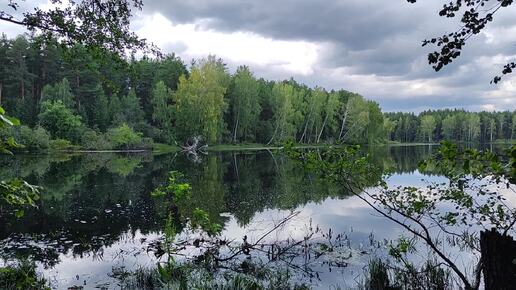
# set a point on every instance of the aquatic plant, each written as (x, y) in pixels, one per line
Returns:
(21, 275)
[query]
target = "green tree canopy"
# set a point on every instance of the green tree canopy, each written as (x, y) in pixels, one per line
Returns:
(427, 127)
(199, 101)
(60, 121)
(244, 104)
(61, 91)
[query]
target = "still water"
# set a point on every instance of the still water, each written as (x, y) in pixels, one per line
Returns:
(96, 215)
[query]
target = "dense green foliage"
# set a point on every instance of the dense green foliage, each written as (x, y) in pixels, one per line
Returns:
(21, 275)
(15, 193)
(71, 93)
(60, 121)
(6, 142)
(453, 125)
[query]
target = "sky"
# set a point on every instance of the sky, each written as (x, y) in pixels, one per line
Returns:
(371, 47)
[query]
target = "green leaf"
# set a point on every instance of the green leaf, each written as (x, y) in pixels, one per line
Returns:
(19, 213)
(14, 121)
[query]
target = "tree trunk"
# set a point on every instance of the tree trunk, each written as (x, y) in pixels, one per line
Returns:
(1, 86)
(273, 135)
(498, 258)
(236, 168)
(22, 90)
(235, 130)
(304, 131)
(347, 132)
(77, 84)
(322, 128)
(343, 123)
(501, 129)
(306, 124)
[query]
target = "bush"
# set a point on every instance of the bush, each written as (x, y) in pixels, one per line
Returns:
(32, 139)
(61, 144)
(91, 140)
(21, 275)
(60, 121)
(147, 143)
(124, 137)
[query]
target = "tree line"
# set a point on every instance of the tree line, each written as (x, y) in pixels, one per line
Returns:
(73, 95)
(453, 125)
(68, 96)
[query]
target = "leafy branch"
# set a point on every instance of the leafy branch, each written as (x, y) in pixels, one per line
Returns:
(475, 16)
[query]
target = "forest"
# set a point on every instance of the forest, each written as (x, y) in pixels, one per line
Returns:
(454, 125)
(73, 97)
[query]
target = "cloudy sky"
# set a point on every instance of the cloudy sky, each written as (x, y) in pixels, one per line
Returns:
(372, 47)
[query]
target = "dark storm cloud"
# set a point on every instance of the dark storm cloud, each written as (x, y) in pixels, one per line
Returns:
(357, 23)
(377, 44)
(367, 36)
(383, 36)
(370, 46)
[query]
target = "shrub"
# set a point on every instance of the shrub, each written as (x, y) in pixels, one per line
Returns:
(61, 144)
(147, 143)
(91, 140)
(124, 137)
(60, 121)
(32, 139)
(21, 275)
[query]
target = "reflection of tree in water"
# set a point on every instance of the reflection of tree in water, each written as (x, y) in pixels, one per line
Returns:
(83, 208)
(248, 178)
(90, 201)
(268, 180)
(399, 159)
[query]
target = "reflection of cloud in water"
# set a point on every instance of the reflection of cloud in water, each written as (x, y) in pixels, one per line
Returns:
(413, 179)
(128, 253)
(351, 217)
(251, 191)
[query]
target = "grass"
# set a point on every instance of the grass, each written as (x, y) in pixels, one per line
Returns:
(190, 278)
(21, 275)
(160, 148)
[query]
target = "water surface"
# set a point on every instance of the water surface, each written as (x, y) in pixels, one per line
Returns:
(96, 214)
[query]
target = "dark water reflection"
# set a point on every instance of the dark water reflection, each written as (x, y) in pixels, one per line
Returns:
(96, 212)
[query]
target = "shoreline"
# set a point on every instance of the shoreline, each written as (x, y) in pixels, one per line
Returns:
(165, 148)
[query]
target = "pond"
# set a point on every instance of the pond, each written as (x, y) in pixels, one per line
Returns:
(96, 215)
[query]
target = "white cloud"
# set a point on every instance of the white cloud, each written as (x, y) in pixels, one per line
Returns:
(375, 54)
(294, 57)
(311, 62)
